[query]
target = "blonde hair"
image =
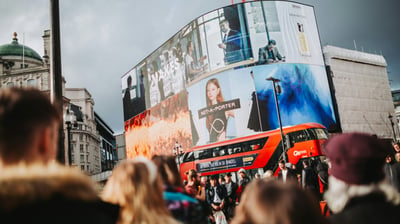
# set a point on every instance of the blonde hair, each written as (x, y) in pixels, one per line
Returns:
(272, 201)
(135, 187)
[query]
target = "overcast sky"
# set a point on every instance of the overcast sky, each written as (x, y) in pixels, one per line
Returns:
(101, 40)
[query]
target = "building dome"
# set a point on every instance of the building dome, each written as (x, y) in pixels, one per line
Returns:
(16, 49)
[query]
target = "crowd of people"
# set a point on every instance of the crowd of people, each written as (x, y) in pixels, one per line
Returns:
(360, 186)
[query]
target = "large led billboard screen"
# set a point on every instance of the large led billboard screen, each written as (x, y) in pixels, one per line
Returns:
(208, 82)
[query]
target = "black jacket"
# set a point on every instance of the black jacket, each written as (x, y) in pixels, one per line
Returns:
(210, 193)
(232, 195)
(370, 209)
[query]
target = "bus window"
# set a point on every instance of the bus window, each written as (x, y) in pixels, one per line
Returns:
(203, 154)
(188, 157)
(321, 133)
(219, 151)
(237, 149)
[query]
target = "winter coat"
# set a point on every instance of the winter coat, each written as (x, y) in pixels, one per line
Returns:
(372, 208)
(51, 194)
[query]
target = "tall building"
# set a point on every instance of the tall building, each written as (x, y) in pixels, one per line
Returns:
(85, 138)
(121, 151)
(108, 150)
(21, 66)
(362, 90)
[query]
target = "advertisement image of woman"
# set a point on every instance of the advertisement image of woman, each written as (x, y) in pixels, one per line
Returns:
(216, 122)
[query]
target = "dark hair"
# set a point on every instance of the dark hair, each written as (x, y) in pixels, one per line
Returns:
(192, 173)
(23, 113)
(168, 170)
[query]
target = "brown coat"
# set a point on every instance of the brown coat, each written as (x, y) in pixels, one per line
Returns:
(51, 194)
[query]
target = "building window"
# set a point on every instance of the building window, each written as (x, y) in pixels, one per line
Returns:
(81, 148)
(81, 137)
(31, 82)
(72, 158)
(87, 148)
(10, 84)
(82, 167)
(82, 158)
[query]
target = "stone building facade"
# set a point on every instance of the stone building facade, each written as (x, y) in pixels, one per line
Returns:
(362, 90)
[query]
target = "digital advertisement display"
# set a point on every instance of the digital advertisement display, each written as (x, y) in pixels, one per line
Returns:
(157, 130)
(208, 83)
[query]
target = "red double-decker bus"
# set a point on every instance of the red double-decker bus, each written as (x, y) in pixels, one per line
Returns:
(256, 153)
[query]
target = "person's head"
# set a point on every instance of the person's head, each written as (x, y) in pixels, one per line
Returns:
(213, 180)
(272, 42)
(193, 177)
(277, 202)
(388, 159)
(129, 81)
(397, 156)
(189, 46)
(203, 180)
(136, 187)
(168, 170)
(396, 147)
(306, 163)
(228, 177)
(268, 174)
(221, 180)
(224, 25)
(242, 173)
(28, 126)
(356, 158)
(213, 92)
(357, 161)
(282, 165)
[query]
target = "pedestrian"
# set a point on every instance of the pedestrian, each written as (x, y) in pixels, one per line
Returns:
(286, 174)
(183, 207)
(34, 188)
(215, 197)
(243, 181)
(323, 175)
(274, 202)
(309, 179)
(391, 171)
(230, 200)
(137, 188)
(358, 191)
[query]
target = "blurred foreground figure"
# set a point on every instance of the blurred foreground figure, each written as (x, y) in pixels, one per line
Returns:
(33, 188)
(274, 202)
(183, 207)
(136, 187)
(358, 191)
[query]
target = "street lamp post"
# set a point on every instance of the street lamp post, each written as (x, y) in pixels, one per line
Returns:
(277, 90)
(70, 120)
(392, 124)
(177, 150)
